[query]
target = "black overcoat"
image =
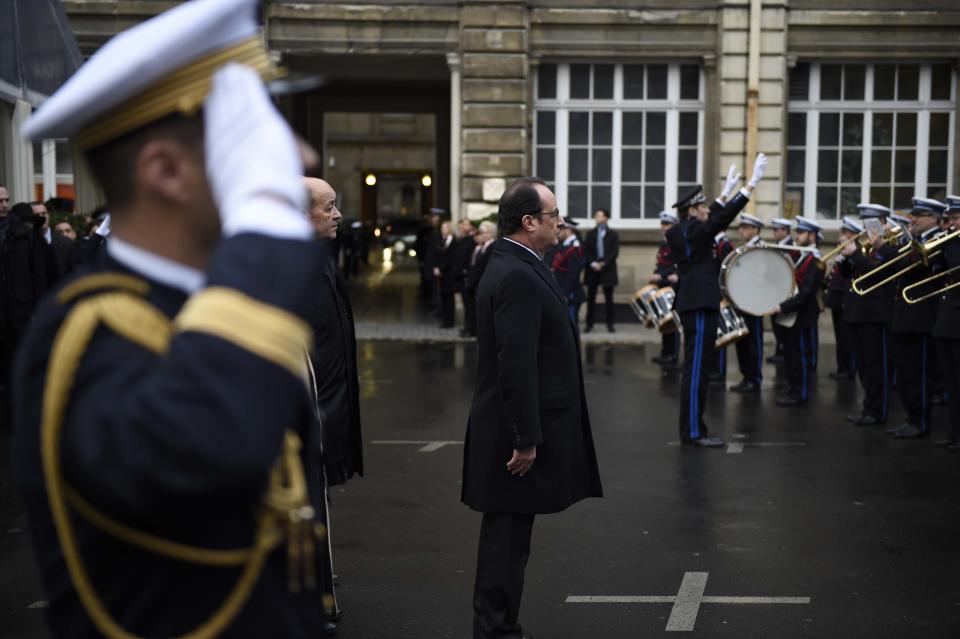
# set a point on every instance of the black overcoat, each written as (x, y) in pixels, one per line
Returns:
(607, 276)
(529, 392)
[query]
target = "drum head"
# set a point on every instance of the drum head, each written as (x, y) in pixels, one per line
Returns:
(757, 279)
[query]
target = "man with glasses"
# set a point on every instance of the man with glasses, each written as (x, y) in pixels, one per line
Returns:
(529, 448)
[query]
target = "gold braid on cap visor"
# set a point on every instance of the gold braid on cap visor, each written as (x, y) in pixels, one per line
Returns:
(182, 91)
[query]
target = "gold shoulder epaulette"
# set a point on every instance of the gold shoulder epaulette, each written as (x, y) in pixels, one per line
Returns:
(102, 281)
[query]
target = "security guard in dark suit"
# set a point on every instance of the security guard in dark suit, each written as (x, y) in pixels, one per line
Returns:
(698, 293)
(798, 337)
(869, 316)
(665, 274)
(913, 347)
(837, 288)
(167, 449)
(947, 328)
(750, 349)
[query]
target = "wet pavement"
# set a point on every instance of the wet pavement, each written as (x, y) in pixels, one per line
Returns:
(804, 526)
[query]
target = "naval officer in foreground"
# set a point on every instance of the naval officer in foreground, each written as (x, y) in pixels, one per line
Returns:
(167, 452)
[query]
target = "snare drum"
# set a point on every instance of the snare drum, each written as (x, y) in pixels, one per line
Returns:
(731, 327)
(756, 279)
(665, 317)
(642, 304)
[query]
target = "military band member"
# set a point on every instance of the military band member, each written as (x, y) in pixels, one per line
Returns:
(914, 352)
(838, 286)
(869, 317)
(947, 327)
(567, 266)
(781, 235)
(665, 274)
(698, 292)
(167, 452)
(750, 348)
(805, 304)
(722, 247)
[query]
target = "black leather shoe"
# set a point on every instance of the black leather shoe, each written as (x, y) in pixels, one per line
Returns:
(588, 328)
(891, 430)
(658, 359)
(954, 447)
(709, 442)
(788, 400)
(329, 629)
(841, 375)
(717, 378)
(745, 386)
(868, 420)
(939, 399)
(775, 359)
(611, 329)
(666, 362)
(910, 432)
(854, 417)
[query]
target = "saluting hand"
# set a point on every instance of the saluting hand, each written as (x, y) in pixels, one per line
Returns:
(521, 461)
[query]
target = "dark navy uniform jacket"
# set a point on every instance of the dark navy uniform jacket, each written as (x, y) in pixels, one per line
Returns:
(692, 247)
(179, 445)
(948, 309)
(809, 278)
(915, 318)
(875, 307)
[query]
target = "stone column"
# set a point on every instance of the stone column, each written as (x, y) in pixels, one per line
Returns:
(456, 135)
(495, 115)
(21, 170)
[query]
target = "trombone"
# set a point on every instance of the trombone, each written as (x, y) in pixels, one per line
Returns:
(905, 251)
(861, 241)
(929, 250)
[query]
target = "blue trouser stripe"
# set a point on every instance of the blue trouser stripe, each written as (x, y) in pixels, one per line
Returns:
(923, 386)
(803, 366)
(758, 333)
(695, 381)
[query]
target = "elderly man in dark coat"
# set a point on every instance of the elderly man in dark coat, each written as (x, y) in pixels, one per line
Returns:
(529, 448)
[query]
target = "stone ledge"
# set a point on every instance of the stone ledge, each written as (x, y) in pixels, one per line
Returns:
(363, 12)
(652, 17)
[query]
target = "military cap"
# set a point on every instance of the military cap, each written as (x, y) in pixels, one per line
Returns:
(874, 211)
(899, 219)
(851, 224)
(437, 211)
(691, 198)
(928, 206)
(669, 217)
(953, 203)
(158, 68)
(806, 224)
(781, 223)
(569, 221)
(749, 220)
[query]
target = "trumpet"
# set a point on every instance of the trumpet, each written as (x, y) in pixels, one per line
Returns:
(860, 239)
(929, 250)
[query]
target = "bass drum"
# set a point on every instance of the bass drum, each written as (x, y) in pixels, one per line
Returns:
(755, 279)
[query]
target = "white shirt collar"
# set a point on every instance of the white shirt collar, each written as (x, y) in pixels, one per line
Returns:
(570, 240)
(526, 247)
(48, 235)
(154, 267)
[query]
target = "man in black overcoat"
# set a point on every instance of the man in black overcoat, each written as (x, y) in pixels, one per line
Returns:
(529, 448)
(600, 250)
(698, 293)
(463, 251)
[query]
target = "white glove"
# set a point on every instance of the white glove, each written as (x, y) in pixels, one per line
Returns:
(252, 159)
(759, 166)
(733, 178)
(103, 229)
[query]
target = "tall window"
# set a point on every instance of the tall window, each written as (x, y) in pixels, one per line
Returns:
(877, 133)
(621, 137)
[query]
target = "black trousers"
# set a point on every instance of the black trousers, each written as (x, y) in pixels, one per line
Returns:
(872, 351)
(592, 303)
(915, 359)
(670, 344)
(777, 335)
(750, 350)
(469, 312)
(699, 337)
(502, 556)
(447, 307)
(949, 359)
(796, 359)
(846, 359)
(813, 347)
(719, 361)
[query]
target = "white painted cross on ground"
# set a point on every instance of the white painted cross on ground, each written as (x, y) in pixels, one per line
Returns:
(686, 603)
(425, 446)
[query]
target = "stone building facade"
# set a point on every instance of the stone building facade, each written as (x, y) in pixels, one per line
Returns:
(620, 104)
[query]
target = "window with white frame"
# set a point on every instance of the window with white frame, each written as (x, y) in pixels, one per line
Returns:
(858, 132)
(621, 137)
